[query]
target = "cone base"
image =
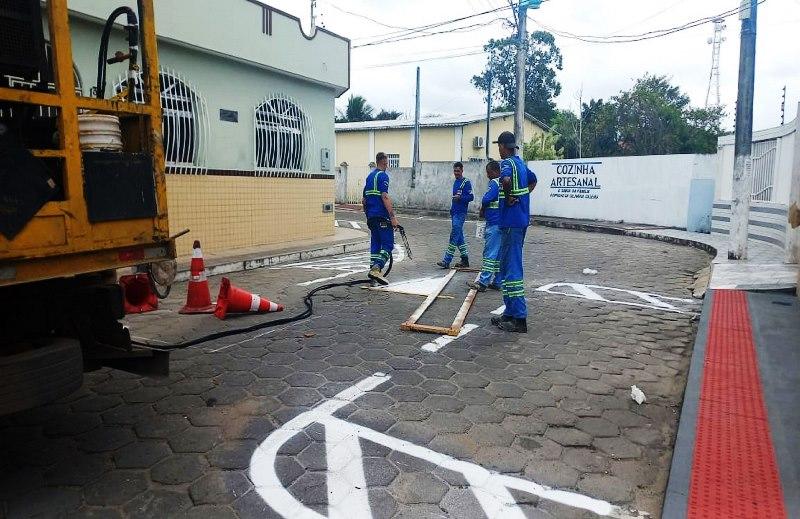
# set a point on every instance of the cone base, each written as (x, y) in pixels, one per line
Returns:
(200, 310)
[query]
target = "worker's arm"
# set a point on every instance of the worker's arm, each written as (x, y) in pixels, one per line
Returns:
(532, 180)
(387, 203)
(467, 195)
(506, 175)
(364, 204)
(491, 195)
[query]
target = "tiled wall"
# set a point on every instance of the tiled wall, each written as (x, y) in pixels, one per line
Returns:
(230, 212)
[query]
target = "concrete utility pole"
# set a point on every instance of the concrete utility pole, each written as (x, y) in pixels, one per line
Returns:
(522, 40)
(783, 106)
(488, 113)
(580, 124)
(416, 136)
(793, 233)
(742, 164)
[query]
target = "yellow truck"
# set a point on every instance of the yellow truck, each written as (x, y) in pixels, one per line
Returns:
(77, 201)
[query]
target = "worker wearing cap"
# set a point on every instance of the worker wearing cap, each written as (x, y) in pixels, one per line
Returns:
(380, 218)
(490, 211)
(462, 196)
(516, 180)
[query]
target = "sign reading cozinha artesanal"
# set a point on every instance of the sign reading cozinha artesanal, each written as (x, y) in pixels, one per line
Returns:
(576, 180)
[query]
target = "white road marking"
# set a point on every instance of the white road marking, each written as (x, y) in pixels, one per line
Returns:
(417, 286)
(654, 301)
(346, 265)
(336, 223)
(440, 342)
(345, 462)
(355, 225)
(499, 311)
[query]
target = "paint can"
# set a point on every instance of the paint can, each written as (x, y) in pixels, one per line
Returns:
(99, 132)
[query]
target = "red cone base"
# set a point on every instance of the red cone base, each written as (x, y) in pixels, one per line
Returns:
(233, 299)
(138, 295)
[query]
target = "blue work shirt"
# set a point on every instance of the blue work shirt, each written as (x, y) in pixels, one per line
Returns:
(491, 203)
(377, 182)
(517, 215)
(465, 187)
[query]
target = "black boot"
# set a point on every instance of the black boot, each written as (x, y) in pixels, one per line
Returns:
(443, 264)
(503, 318)
(464, 263)
(514, 325)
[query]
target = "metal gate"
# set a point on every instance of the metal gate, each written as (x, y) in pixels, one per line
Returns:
(764, 156)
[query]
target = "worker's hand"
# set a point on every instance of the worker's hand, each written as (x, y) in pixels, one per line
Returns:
(395, 225)
(511, 200)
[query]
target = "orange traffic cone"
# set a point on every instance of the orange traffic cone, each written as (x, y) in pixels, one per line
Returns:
(138, 296)
(235, 300)
(198, 297)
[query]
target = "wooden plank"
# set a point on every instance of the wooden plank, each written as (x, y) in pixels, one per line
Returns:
(440, 330)
(461, 316)
(429, 300)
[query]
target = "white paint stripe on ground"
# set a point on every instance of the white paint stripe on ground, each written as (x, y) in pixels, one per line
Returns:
(499, 311)
(440, 342)
(336, 223)
(355, 225)
(347, 485)
(399, 256)
(490, 488)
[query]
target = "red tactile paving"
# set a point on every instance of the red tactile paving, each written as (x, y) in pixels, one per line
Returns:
(734, 472)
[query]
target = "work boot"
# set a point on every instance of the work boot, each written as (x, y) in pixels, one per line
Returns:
(503, 318)
(464, 264)
(443, 264)
(376, 275)
(474, 285)
(514, 325)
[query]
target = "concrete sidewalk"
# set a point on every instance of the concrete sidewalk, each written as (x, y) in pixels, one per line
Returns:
(343, 241)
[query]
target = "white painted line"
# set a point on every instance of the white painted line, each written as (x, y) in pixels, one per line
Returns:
(590, 292)
(262, 334)
(359, 264)
(347, 484)
(355, 225)
(336, 223)
(329, 278)
(440, 342)
(417, 286)
(499, 311)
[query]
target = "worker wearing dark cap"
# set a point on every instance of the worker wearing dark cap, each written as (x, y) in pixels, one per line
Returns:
(516, 181)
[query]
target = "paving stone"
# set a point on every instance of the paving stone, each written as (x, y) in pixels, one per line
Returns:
(76, 471)
(223, 395)
(219, 488)
(373, 418)
(461, 503)
(505, 389)
(128, 414)
(248, 428)
(524, 425)
(382, 504)
(465, 379)
(252, 506)
(605, 487)
(196, 439)
(179, 404)
(444, 403)
(501, 459)
(210, 512)
(458, 446)
(161, 426)
(618, 447)
(180, 468)
(311, 488)
(96, 403)
(105, 438)
(556, 416)
(288, 469)
(407, 394)
(483, 414)
(414, 432)
(71, 425)
(314, 457)
(379, 471)
(95, 513)
(146, 395)
(157, 503)
(375, 401)
(585, 460)
(643, 435)
(597, 427)
(624, 418)
(475, 396)
(552, 473)
(439, 387)
(418, 487)
(305, 380)
(491, 434)
(436, 372)
(45, 502)
(142, 454)
(115, 488)
(232, 454)
(300, 396)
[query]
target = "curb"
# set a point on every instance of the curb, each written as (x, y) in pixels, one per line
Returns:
(276, 259)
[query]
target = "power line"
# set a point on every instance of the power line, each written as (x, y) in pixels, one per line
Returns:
(451, 56)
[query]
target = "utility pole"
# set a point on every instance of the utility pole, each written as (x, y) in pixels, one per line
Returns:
(742, 164)
(416, 136)
(522, 53)
(783, 106)
(488, 112)
(716, 45)
(580, 123)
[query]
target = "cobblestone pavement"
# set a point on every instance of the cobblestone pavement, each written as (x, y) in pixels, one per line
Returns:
(551, 407)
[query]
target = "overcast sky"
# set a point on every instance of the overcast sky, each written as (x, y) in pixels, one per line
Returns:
(602, 70)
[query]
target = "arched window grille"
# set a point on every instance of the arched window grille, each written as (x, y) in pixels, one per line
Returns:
(284, 136)
(185, 124)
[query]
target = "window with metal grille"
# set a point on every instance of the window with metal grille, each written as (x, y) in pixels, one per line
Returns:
(284, 137)
(394, 160)
(184, 121)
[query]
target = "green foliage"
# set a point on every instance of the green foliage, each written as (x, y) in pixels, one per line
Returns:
(542, 147)
(652, 118)
(358, 109)
(387, 115)
(541, 86)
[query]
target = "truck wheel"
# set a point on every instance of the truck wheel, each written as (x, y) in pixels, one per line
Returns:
(39, 376)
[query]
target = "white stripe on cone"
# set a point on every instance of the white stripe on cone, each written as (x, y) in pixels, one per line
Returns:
(197, 253)
(273, 307)
(255, 302)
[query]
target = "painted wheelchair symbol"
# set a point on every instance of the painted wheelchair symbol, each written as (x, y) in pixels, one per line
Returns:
(346, 482)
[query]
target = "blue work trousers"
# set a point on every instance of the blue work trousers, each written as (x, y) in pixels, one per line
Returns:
(491, 254)
(381, 243)
(512, 239)
(457, 242)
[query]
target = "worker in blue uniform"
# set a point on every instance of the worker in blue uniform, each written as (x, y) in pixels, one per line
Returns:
(381, 219)
(490, 211)
(462, 196)
(516, 181)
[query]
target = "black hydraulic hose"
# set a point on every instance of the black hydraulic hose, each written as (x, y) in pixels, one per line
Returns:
(308, 301)
(102, 56)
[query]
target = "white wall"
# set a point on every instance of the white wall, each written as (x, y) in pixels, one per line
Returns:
(649, 190)
(785, 136)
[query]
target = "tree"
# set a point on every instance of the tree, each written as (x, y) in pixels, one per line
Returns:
(388, 115)
(357, 109)
(565, 126)
(541, 86)
(542, 147)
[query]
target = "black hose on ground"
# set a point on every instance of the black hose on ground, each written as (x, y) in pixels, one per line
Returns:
(308, 301)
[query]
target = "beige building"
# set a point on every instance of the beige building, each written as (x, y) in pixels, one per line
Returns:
(441, 139)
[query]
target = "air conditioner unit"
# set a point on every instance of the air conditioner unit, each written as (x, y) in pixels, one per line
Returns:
(477, 142)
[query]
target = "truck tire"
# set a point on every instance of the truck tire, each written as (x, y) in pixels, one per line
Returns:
(39, 376)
